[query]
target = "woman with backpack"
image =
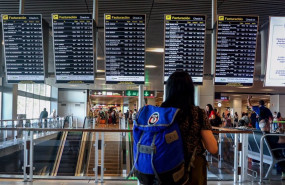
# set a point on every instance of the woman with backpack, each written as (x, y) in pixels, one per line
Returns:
(170, 141)
(194, 125)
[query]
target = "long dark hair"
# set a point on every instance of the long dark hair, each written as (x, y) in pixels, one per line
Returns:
(180, 93)
(278, 115)
(210, 109)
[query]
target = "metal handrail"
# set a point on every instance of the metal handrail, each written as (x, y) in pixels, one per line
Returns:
(26, 119)
(111, 130)
(278, 121)
(261, 152)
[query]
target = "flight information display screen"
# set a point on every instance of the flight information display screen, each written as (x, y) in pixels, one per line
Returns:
(73, 48)
(236, 48)
(124, 48)
(23, 43)
(275, 70)
(184, 45)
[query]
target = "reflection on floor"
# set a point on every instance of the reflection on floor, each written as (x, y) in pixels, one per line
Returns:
(85, 182)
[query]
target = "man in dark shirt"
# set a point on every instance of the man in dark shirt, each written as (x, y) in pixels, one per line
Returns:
(43, 115)
(253, 119)
(127, 116)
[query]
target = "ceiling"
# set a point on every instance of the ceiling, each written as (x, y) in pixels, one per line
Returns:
(154, 10)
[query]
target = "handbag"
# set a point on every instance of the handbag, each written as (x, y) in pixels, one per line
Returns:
(197, 167)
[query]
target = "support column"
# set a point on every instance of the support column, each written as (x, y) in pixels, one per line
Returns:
(213, 38)
(277, 103)
(196, 95)
(206, 94)
(263, 45)
(140, 97)
(95, 18)
(9, 101)
(236, 105)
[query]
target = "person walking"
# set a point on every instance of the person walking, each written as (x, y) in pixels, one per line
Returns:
(134, 115)
(127, 116)
(236, 119)
(43, 115)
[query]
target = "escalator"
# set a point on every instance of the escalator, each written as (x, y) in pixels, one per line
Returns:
(67, 157)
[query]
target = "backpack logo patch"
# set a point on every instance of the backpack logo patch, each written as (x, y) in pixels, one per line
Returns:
(153, 118)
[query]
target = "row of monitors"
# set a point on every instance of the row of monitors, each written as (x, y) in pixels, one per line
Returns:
(184, 48)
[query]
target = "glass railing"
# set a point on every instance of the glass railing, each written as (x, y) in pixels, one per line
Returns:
(101, 151)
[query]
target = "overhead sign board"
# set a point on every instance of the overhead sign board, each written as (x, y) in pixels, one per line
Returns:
(275, 70)
(23, 43)
(124, 48)
(73, 48)
(184, 45)
(136, 93)
(106, 93)
(236, 50)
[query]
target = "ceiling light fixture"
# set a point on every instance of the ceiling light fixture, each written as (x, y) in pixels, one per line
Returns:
(156, 50)
(99, 78)
(150, 66)
(100, 71)
(100, 58)
(245, 87)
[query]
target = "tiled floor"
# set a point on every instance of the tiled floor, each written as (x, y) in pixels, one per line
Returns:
(85, 182)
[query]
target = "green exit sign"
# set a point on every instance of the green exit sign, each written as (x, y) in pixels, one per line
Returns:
(132, 93)
(136, 93)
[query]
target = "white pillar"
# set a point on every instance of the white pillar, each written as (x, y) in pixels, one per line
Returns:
(236, 105)
(206, 94)
(213, 36)
(140, 97)
(196, 95)
(277, 103)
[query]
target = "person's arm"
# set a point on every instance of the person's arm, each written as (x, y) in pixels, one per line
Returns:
(208, 138)
(209, 141)
(248, 102)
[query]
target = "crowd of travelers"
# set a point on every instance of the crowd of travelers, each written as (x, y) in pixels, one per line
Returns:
(112, 115)
(260, 118)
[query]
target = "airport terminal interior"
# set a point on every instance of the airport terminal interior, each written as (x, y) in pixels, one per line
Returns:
(75, 73)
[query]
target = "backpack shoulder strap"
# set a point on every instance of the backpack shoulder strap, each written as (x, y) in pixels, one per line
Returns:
(137, 156)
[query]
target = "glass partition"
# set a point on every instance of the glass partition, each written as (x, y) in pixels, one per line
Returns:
(76, 153)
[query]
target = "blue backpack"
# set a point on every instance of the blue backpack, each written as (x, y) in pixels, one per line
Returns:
(158, 147)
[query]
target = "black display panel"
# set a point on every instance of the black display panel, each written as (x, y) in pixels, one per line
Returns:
(73, 48)
(184, 45)
(124, 48)
(236, 48)
(23, 43)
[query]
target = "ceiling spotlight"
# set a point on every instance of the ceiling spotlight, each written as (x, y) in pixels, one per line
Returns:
(100, 58)
(100, 71)
(157, 50)
(150, 66)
